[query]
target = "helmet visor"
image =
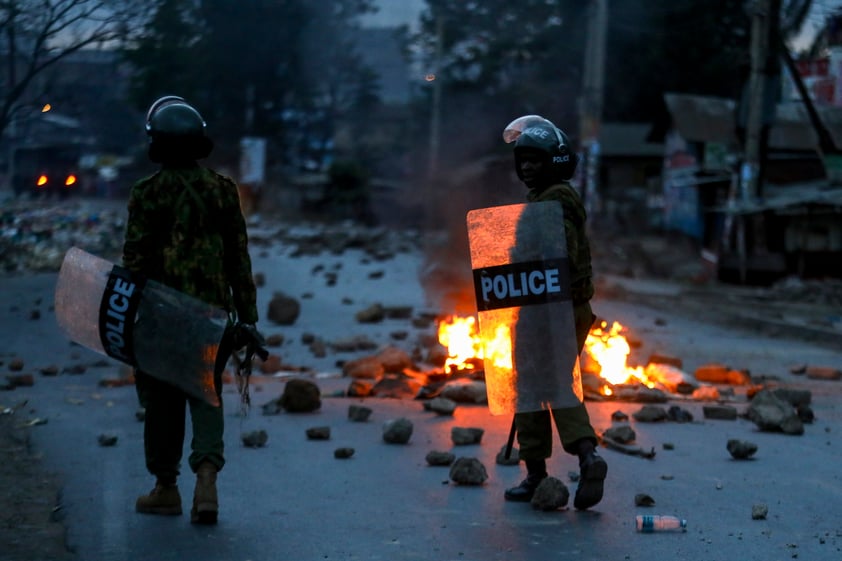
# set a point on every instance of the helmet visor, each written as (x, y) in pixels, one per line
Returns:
(514, 129)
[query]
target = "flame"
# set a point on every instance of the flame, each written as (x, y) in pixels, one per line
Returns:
(460, 336)
(607, 347)
(610, 349)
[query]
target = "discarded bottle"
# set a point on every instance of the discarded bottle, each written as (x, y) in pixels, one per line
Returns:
(648, 523)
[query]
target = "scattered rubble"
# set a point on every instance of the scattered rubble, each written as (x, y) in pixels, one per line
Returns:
(255, 439)
(318, 433)
(343, 453)
(741, 449)
(34, 235)
(397, 431)
(106, 440)
(440, 458)
(551, 494)
(359, 413)
(463, 436)
(468, 471)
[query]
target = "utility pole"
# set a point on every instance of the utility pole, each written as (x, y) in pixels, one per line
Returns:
(757, 79)
(590, 104)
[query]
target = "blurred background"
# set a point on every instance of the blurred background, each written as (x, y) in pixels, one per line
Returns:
(715, 124)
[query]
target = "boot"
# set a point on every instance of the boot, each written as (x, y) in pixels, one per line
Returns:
(205, 501)
(536, 472)
(592, 472)
(163, 499)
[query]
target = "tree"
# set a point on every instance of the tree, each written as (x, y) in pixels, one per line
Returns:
(502, 59)
(36, 34)
(252, 67)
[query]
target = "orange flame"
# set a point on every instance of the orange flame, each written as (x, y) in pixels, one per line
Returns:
(605, 346)
(610, 349)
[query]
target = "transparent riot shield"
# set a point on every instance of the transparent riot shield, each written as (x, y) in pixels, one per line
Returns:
(165, 333)
(521, 279)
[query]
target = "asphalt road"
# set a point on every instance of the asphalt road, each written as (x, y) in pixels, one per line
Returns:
(293, 500)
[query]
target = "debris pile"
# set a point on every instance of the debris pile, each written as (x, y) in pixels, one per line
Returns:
(34, 236)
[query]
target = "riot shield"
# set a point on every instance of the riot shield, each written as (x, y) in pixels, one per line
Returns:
(521, 280)
(165, 333)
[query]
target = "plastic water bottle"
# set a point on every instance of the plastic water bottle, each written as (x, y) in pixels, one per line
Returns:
(648, 523)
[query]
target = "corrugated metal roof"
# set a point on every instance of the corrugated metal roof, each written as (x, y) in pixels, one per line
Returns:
(711, 119)
(628, 139)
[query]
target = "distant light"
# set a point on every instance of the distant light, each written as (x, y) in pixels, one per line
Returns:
(71, 179)
(46, 108)
(430, 77)
(42, 180)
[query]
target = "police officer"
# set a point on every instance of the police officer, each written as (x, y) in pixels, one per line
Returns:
(545, 163)
(186, 230)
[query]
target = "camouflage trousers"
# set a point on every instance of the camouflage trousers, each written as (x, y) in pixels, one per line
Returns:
(534, 428)
(164, 427)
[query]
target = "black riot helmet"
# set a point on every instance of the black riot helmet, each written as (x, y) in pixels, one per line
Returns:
(535, 134)
(176, 131)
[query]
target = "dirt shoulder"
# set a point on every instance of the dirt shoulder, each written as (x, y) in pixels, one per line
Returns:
(30, 503)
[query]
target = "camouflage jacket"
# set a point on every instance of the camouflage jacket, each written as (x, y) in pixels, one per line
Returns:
(578, 246)
(186, 230)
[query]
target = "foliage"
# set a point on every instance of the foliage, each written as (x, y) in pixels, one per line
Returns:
(499, 59)
(262, 67)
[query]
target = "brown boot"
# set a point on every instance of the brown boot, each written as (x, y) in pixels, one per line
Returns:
(163, 499)
(205, 501)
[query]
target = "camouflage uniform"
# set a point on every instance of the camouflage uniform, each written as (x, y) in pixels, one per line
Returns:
(186, 230)
(534, 429)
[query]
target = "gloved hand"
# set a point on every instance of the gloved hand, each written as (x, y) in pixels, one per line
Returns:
(246, 334)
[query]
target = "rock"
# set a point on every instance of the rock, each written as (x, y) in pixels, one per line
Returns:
(440, 458)
(283, 309)
(720, 412)
(465, 391)
(318, 433)
(397, 431)
(21, 380)
(397, 386)
(512, 460)
(271, 365)
(366, 367)
(468, 471)
(720, 374)
(343, 453)
(650, 414)
(300, 396)
(16, 365)
(255, 439)
(394, 360)
(360, 388)
(373, 314)
(107, 439)
(797, 397)
(741, 449)
(275, 340)
(771, 413)
(619, 417)
(759, 511)
(462, 436)
(623, 434)
(440, 406)
(823, 373)
(673, 379)
(679, 415)
(551, 494)
(642, 499)
(358, 413)
(706, 393)
(51, 370)
(656, 358)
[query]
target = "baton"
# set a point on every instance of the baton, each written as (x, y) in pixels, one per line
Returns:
(511, 441)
